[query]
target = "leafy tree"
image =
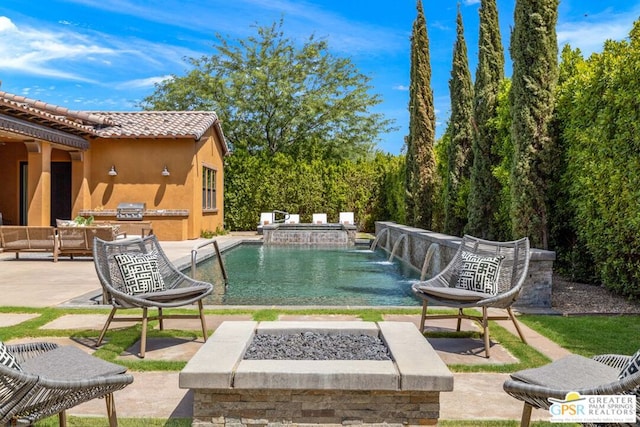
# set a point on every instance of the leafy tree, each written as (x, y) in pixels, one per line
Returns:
(421, 174)
(460, 129)
(534, 51)
(275, 97)
(600, 111)
(484, 187)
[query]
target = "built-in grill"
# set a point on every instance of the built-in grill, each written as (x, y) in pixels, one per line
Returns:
(131, 211)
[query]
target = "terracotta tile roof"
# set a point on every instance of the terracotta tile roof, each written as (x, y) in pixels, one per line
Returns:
(49, 115)
(113, 124)
(156, 124)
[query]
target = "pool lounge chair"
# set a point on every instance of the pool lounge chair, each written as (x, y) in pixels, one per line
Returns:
(319, 218)
(293, 219)
(136, 273)
(41, 379)
(483, 274)
(346, 218)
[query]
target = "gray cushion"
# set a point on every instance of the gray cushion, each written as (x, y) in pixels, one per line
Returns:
(455, 294)
(176, 294)
(573, 372)
(70, 363)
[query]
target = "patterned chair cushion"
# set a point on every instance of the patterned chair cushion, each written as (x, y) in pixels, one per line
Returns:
(140, 273)
(632, 366)
(479, 273)
(7, 359)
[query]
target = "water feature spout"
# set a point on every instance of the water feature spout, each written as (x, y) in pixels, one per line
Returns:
(377, 239)
(427, 259)
(397, 245)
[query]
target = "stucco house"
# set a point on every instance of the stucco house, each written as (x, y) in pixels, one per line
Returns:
(56, 163)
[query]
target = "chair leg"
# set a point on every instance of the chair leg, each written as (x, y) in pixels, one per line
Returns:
(106, 326)
(111, 410)
(460, 313)
(423, 316)
(143, 335)
(485, 327)
(160, 318)
(203, 321)
(526, 415)
(62, 418)
(516, 324)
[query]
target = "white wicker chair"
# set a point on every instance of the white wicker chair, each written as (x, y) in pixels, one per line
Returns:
(444, 290)
(179, 290)
(54, 379)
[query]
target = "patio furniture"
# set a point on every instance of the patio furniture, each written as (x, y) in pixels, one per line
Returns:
(22, 238)
(44, 379)
(482, 274)
(319, 218)
(136, 273)
(78, 240)
(293, 219)
(346, 218)
(606, 374)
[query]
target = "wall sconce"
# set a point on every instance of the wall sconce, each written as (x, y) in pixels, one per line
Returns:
(165, 171)
(113, 171)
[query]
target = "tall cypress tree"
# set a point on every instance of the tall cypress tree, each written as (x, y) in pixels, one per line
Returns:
(421, 173)
(485, 188)
(534, 51)
(459, 155)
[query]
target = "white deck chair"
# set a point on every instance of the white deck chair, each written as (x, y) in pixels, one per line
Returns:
(293, 219)
(266, 218)
(319, 218)
(346, 218)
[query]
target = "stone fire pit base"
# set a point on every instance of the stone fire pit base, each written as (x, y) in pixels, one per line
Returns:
(312, 407)
(230, 391)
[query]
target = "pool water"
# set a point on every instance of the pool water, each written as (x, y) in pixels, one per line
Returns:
(309, 275)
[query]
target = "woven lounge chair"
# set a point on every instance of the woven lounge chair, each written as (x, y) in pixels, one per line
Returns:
(482, 274)
(50, 379)
(606, 374)
(137, 274)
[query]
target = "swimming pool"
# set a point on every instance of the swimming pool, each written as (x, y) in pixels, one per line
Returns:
(309, 276)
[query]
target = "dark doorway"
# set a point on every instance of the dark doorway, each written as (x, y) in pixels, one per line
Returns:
(60, 191)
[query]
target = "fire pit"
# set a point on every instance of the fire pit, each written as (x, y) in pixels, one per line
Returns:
(229, 389)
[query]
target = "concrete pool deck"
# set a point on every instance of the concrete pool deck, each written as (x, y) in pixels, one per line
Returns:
(35, 281)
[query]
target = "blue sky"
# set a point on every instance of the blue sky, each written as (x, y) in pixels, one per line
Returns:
(107, 54)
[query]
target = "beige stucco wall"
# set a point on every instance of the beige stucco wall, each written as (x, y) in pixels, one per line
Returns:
(139, 163)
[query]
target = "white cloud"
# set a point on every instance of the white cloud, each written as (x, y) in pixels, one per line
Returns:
(590, 33)
(401, 88)
(148, 82)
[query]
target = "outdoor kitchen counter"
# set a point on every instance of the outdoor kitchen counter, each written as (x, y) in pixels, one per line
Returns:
(167, 224)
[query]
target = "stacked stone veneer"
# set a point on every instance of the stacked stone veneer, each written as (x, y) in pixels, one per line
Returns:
(309, 234)
(222, 408)
(413, 247)
(231, 391)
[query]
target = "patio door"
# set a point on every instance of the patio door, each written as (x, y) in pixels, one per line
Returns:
(60, 191)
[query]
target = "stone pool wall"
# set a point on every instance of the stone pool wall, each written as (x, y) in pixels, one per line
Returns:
(411, 245)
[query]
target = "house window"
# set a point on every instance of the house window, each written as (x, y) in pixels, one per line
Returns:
(208, 188)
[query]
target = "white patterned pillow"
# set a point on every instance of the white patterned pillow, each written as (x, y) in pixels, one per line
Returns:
(140, 273)
(479, 273)
(632, 366)
(7, 359)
